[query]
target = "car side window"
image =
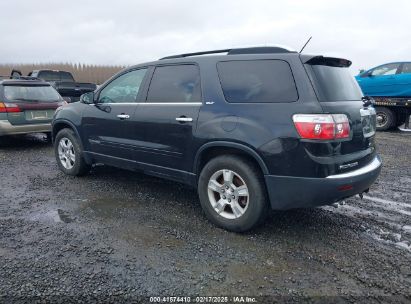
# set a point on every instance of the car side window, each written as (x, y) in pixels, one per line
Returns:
(257, 81)
(175, 83)
(123, 89)
(406, 68)
(387, 69)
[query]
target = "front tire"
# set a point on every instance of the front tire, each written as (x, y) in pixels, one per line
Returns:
(232, 193)
(69, 154)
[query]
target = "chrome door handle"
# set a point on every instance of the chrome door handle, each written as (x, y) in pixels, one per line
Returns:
(184, 119)
(123, 116)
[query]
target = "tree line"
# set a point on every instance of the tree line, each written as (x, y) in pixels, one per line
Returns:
(81, 72)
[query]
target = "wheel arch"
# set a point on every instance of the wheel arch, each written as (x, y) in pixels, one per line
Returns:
(66, 124)
(61, 124)
(212, 149)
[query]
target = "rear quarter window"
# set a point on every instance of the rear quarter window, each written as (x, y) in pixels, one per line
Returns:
(257, 81)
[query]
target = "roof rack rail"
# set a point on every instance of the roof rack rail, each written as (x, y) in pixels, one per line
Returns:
(196, 54)
(238, 51)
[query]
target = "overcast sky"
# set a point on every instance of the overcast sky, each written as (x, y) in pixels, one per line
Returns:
(131, 31)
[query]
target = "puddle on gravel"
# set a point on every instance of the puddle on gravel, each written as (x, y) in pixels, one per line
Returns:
(125, 217)
(107, 207)
(57, 216)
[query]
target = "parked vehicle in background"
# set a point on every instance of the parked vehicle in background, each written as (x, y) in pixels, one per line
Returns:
(390, 85)
(27, 106)
(255, 128)
(63, 82)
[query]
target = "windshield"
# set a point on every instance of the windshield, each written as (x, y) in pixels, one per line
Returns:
(333, 83)
(31, 93)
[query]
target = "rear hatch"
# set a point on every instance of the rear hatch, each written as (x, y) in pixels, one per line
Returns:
(29, 102)
(339, 93)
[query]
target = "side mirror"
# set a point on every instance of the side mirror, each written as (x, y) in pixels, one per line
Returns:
(87, 98)
(366, 74)
(67, 99)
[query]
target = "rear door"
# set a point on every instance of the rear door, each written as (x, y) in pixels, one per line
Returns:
(30, 103)
(165, 123)
(404, 80)
(107, 124)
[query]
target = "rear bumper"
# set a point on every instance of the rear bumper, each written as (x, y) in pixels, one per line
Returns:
(6, 128)
(299, 192)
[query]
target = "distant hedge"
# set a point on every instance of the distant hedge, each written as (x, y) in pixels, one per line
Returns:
(81, 72)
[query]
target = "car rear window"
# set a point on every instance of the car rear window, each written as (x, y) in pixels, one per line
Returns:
(55, 76)
(257, 81)
(31, 93)
(175, 83)
(333, 83)
(65, 76)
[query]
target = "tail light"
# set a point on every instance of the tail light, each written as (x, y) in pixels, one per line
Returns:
(9, 108)
(322, 126)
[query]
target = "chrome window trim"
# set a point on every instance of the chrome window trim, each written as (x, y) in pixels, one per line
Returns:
(376, 163)
(152, 103)
(173, 103)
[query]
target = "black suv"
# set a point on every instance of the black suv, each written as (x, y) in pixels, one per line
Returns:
(251, 128)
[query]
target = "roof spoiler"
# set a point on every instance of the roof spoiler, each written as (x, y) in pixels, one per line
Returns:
(327, 61)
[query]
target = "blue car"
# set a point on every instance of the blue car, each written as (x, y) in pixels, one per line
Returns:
(387, 80)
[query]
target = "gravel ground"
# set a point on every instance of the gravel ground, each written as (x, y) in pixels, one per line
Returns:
(120, 236)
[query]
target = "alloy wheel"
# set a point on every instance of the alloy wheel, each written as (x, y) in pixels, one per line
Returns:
(67, 154)
(228, 194)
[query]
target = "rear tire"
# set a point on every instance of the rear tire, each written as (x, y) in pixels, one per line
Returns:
(386, 119)
(232, 193)
(69, 153)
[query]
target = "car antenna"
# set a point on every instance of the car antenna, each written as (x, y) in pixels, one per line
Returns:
(306, 44)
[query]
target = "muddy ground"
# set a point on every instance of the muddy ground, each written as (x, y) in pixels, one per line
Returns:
(120, 235)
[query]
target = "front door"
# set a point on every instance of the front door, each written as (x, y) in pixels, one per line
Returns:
(169, 118)
(382, 81)
(107, 124)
